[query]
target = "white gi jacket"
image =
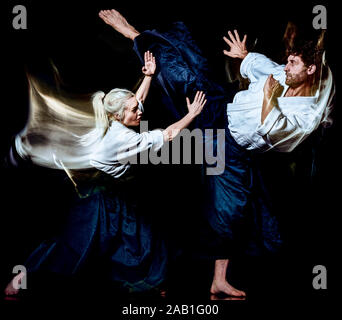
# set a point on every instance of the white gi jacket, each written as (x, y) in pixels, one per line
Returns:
(289, 123)
(120, 145)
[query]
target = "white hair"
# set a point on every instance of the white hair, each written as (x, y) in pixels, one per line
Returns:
(106, 106)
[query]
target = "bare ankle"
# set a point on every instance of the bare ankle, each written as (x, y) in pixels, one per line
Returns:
(132, 35)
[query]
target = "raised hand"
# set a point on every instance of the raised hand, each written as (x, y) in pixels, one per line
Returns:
(150, 64)
(197, 105)
(237, 47)
(194, 108)
(272, 88)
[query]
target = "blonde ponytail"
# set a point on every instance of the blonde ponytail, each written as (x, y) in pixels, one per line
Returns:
(95, 135)
(101, 118)
(105, 107)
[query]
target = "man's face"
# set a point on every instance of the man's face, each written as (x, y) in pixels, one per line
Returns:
(132, 114)
(296, 71)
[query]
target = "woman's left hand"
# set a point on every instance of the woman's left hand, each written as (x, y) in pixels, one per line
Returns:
(150, 64)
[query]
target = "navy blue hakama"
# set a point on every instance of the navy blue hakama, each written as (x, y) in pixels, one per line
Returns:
(237, 205)
(106, 220)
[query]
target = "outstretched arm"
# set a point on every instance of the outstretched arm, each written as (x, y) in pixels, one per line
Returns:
(148, 70)
(255, 65)
(237, 47)
(194, 108)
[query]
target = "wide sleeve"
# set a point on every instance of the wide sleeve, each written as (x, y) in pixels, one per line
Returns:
(130, 143)
(150, 140)
(255, 66)
(121, 147)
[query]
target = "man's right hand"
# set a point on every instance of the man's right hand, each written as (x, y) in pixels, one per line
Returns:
(272, 88)
(237, 47)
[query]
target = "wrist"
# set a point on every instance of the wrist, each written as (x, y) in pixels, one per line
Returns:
(192, 115)
(244, 54)
(267, 97)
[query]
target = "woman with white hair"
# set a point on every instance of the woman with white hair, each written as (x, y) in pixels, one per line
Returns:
(107, 220)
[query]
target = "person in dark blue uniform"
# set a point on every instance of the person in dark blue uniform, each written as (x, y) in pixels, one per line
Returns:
(237, 203)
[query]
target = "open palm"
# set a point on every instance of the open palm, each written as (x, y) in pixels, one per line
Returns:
(150, 64)
(237, 47)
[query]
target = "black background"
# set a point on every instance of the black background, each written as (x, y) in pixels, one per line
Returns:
(34, 200)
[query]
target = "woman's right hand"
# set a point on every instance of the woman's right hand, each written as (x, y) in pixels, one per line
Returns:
(197, 105)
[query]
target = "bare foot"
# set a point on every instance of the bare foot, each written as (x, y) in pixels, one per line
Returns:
(13, 287)
(224, 287)
(226, 298)
(220, 284)
(119, 23)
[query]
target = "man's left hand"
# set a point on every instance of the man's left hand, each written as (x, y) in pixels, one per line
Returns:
(272, 88)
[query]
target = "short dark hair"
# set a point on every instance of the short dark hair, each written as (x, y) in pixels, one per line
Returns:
(311, 52)
(308, 51)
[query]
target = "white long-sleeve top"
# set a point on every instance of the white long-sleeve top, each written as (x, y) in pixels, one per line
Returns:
(289, 123)
(119, 147)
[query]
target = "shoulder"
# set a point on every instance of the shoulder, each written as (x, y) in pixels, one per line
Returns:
(118, 129)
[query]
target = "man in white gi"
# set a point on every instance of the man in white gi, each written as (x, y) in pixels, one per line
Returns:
(282, 106)
(263, 117)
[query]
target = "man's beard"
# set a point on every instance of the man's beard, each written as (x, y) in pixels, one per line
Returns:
(294, 81)
(291, 81)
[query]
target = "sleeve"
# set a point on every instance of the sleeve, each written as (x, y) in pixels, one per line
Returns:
(283, 128)
(13, 158)
(133, 143)
(154, 139)
(256, 65)
(140, 106)
(20, 147)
